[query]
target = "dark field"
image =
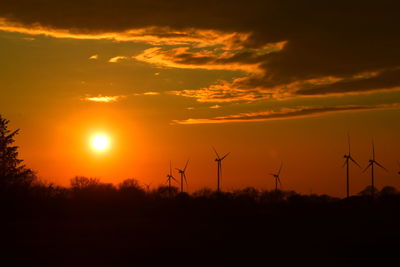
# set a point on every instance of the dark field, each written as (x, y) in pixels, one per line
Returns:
(248, 228)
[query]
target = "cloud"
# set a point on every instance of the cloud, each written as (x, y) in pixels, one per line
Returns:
(326, 45)
(116, 59)
(94, 57)
(212, 59)
(151, 93)
(286, 113)
(104, 99)
(156, 35)
(215, 107)
(382, 80)
(227, 92)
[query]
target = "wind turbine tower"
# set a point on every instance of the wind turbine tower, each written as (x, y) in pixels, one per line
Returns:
(277, 178)
(372, 163)
(219, 168)
(347, 160)
(169, 178)
(183, 175)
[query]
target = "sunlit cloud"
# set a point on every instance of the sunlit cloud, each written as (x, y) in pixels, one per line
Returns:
(226, 92)
(151, 93)
(116, 59)
(104, 99)
(284, 113)
(155, 35)
(257, 87)
(212, 59)
(94, 57)
(215, 106)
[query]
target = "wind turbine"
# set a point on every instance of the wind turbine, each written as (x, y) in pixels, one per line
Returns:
(348, 157)
(169, 178)
(219, 168)
(277, 177)
(183, 175)
(372, 163)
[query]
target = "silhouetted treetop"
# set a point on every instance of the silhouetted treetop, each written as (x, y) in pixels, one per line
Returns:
(12, 171)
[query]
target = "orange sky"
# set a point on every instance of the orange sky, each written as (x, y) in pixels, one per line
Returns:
(168, 85)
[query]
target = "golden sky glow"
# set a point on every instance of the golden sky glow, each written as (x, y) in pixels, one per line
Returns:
(171, 85)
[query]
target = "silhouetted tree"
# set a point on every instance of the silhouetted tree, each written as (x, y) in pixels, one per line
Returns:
(92, 189)
(81, 182)
(130, 187)
(388, 191)
(204, 193)
(248, 194)
(368, 191)
(12, 171)
(165, 191)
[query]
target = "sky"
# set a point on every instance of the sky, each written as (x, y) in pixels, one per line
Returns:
(269, 81)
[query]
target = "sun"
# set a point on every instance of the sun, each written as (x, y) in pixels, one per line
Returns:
(100, 142)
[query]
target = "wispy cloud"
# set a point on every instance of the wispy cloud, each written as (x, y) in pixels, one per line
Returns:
(116, 98)
(212, 59)
(227, 92)
(286, 113)
(94, 56)
(155, 35)
(116, 59)
(215, 107)
(104, 99)
(150, 93)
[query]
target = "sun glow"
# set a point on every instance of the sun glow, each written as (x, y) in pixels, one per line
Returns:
(100, 142)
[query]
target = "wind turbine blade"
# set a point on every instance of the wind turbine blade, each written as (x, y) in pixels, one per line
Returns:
(280, 168)
(344, 164)
(369, 165)
(279, 180)
(272, 174)
(355, 162)
(215, 152)
(184, 176)
(380, 166)
(225, 155)
(348, 141)
(179, 170)
(172, 177)
(373, 150)
(187, 162)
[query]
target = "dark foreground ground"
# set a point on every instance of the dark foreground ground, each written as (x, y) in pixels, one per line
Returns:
(202, 232)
